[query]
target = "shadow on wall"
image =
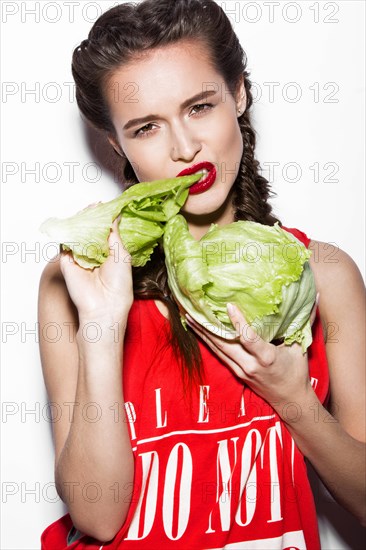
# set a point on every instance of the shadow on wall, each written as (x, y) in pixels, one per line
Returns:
(331, 516)
(104, 154)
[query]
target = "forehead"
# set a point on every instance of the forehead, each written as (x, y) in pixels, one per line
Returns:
(161, 77)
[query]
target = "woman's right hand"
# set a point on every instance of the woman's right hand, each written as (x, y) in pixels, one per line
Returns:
(104, 293)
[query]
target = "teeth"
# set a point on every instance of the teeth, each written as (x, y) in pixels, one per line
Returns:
(205, 172)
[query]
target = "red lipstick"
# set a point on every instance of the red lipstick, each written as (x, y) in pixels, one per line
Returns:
(203, 184)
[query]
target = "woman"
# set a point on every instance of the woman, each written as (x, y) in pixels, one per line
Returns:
(207, 451)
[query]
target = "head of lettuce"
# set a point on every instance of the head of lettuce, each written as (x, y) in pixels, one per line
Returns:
(262, 269)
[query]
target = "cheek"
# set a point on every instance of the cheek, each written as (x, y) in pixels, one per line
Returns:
(145, 161)
(231, 143)
(239, 145)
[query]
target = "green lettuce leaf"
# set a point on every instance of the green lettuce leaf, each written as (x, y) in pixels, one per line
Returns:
(144, 208)
(264, 270)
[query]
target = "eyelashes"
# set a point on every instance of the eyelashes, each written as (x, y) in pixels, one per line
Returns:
(207, 106)
(142, 131)
(148, 129)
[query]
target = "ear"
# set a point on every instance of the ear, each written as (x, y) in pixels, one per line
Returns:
(116, 146)
(241, 97)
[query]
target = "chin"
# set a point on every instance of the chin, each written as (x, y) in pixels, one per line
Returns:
(201, 205)
(196, 213)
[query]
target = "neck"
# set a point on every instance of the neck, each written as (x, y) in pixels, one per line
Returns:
(199, 224)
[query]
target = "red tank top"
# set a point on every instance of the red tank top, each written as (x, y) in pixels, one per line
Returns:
(217, 470)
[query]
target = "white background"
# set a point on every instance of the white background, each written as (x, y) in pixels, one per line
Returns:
(313, 49)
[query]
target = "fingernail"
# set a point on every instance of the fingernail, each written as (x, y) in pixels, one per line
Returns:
(230, 309)
(317, 298)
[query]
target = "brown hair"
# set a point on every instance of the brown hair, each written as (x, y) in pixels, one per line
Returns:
(115, 38)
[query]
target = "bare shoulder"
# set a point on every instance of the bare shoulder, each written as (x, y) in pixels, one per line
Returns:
(52, 288)
(50, 280)
(54, 302)
(337, 277)
(51, 272)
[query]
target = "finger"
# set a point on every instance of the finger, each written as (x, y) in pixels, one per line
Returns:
(215, 333)
(115, 224)
(230, 349)
(118, 219)
(205, 334)
(67, 262)
(248, 337)
(117, 250)
(211, 343)
(65, 257)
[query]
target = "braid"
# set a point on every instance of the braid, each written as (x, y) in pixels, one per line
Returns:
(252, 190)
(151, 282)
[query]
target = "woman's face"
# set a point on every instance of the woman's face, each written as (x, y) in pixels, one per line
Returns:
(178, 130)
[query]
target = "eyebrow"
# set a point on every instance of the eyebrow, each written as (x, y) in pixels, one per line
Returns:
(184, 105)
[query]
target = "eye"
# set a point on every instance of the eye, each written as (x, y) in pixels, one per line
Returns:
(201, 107)
(144, 130)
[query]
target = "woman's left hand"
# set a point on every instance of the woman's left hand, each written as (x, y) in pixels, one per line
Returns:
(278, 374)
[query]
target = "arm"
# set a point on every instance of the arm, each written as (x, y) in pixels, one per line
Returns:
(77, 372)
(333, 441)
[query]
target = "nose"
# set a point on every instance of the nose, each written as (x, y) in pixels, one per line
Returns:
(185, 144)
